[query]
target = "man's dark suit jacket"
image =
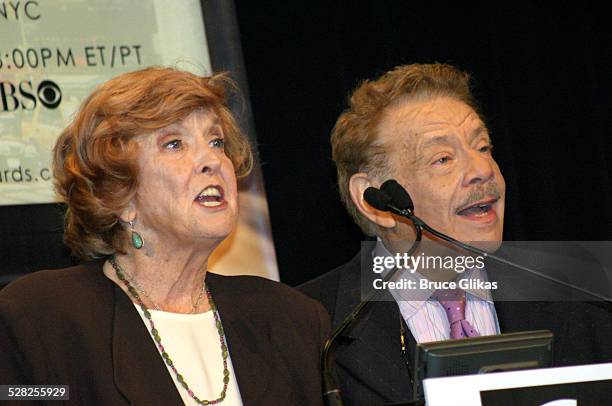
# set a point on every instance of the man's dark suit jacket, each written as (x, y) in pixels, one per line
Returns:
(76, 327)
(369, 363)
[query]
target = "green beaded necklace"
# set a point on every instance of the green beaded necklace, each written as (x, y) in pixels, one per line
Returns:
(224, 352)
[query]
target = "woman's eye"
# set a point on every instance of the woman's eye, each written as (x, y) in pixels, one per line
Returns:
(217, 143)
(173, 145)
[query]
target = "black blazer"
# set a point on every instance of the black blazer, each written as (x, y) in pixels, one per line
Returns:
(76, 327)
(369, 363)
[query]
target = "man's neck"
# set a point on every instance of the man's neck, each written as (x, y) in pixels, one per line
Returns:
(428, 248)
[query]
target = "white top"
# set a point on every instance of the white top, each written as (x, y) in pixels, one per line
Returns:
(426, 319)
(192, 342)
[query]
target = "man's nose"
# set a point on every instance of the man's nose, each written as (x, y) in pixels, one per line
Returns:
(480, 169)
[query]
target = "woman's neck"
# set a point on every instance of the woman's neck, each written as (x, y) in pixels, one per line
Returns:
(173, 283)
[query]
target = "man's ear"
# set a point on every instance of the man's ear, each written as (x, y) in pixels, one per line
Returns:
(358, 183)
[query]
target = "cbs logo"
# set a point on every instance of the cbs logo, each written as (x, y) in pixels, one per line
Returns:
(23, 95)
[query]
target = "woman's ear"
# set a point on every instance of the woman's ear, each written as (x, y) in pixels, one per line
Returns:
(358, 184)
(129, 213)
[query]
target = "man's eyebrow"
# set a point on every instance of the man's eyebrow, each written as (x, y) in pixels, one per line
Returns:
(436, 140)
(481, 130)
(447, 139)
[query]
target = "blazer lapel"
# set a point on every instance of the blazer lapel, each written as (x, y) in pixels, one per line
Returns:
(261, 376)
(139, 371)
(517, 311)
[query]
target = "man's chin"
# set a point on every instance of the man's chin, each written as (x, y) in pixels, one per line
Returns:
(488, 239)
(434, 243)
(487, 246)
(484, 243)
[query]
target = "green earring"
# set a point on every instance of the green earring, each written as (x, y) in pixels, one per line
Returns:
(137, 241)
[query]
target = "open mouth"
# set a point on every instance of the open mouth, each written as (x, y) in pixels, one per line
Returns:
(478, 209)
(211, 196)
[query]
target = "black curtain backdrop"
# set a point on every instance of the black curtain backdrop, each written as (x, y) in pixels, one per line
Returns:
(541, 73)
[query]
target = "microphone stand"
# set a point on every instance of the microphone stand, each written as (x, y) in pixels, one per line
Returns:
(418, 223)
(331, 390)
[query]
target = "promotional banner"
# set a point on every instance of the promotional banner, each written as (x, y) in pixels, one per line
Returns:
(53, 53)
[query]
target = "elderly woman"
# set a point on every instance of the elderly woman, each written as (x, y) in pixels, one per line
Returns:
(148, 172)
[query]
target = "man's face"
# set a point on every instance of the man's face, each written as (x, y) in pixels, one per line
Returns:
(440, 151)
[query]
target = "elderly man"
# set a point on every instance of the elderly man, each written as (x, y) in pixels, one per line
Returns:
(420, 125)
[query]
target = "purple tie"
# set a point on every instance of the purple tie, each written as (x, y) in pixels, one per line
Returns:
(453, 301)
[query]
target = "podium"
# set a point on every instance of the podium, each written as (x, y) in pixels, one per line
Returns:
(577, 385)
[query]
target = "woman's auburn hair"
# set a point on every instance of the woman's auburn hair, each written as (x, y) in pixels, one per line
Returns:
(95, 158)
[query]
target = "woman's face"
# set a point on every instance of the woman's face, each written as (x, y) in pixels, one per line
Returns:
(186, 190)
